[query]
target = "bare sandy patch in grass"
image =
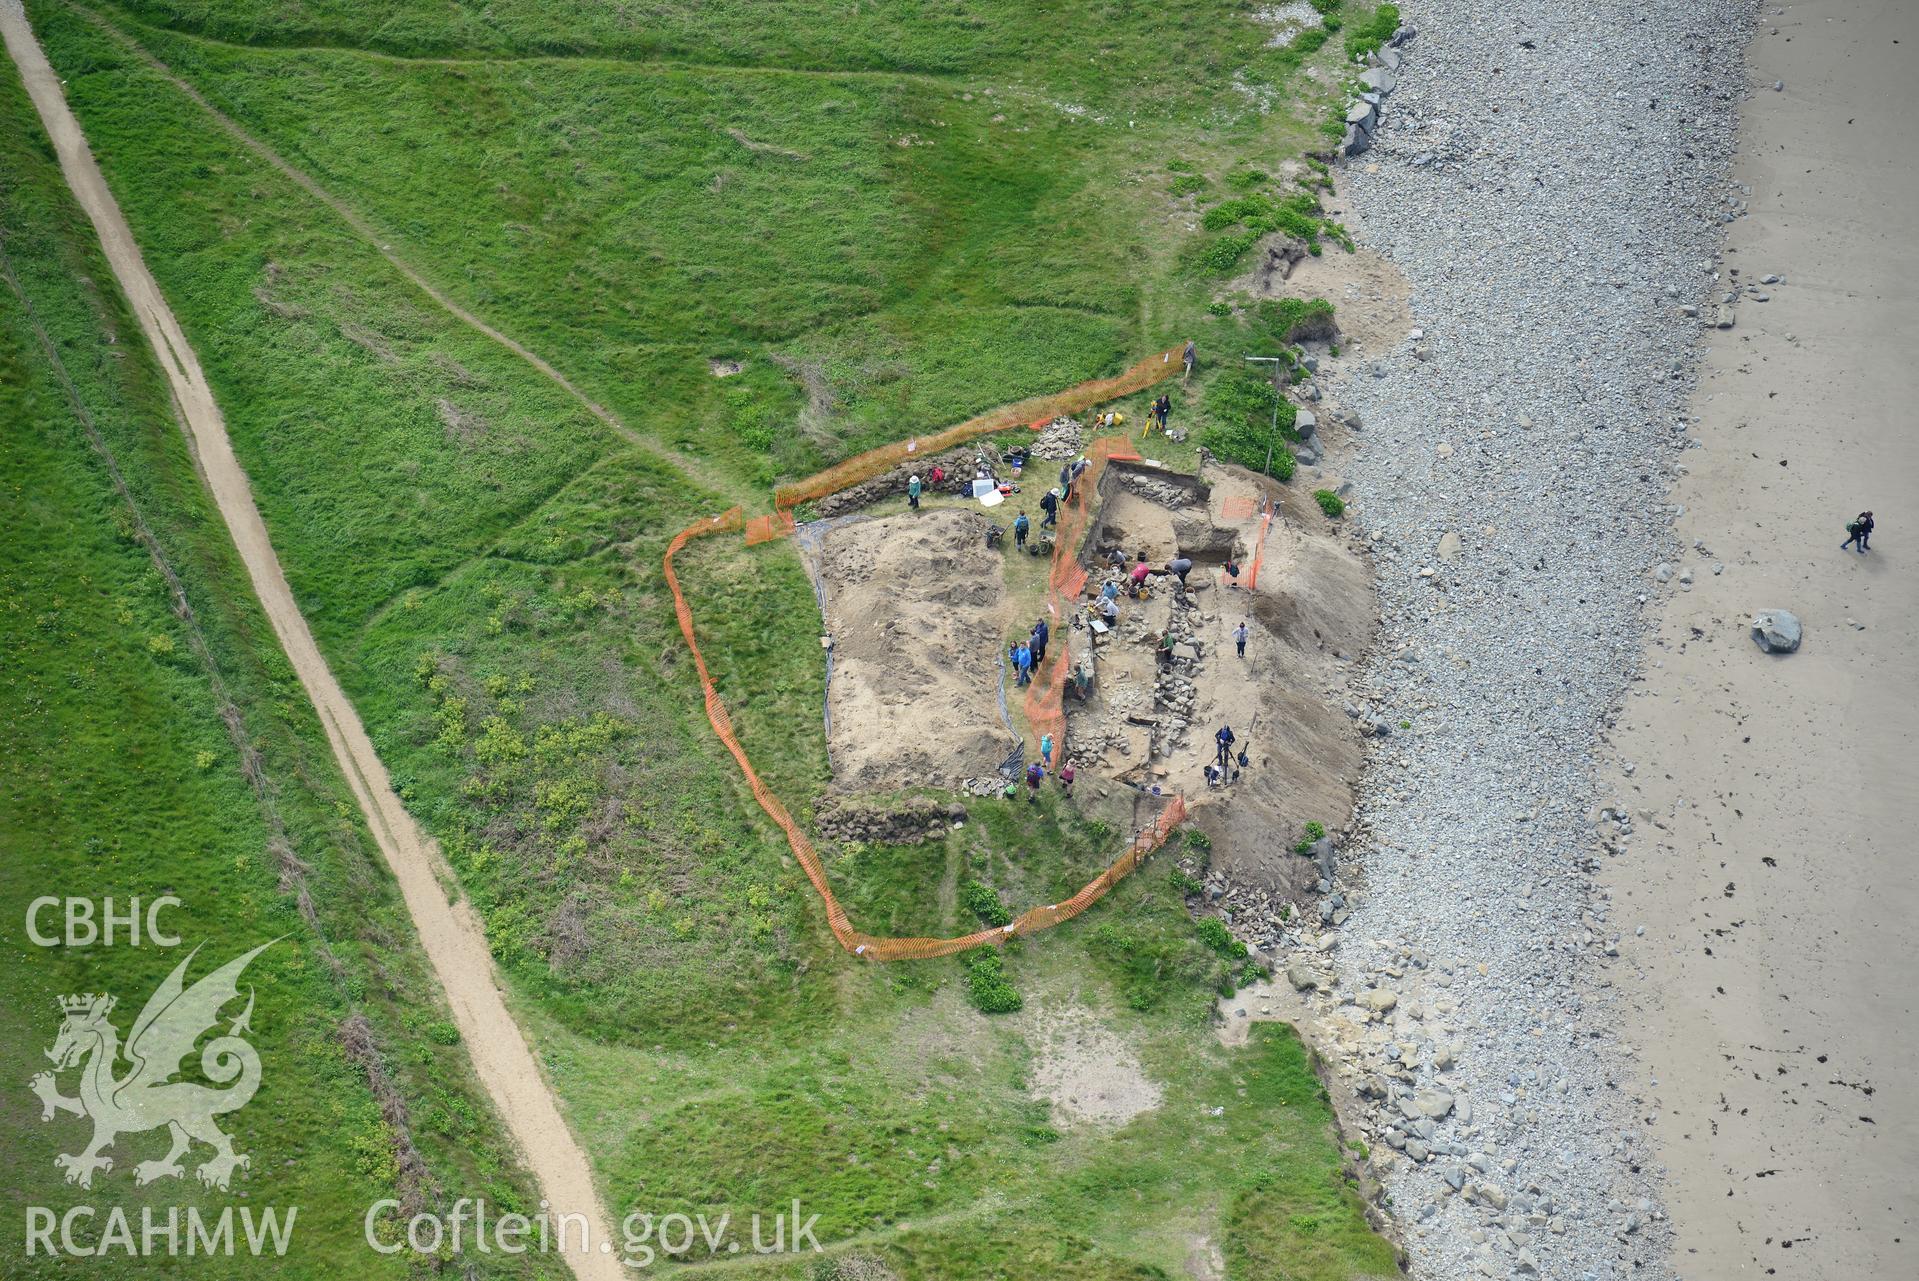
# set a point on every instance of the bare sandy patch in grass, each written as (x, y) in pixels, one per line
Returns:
(1085, 1070)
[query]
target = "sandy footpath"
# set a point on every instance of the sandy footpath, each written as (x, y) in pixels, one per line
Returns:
(449, 932)
(1772, 991)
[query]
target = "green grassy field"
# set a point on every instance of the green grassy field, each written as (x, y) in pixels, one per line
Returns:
(884, 252)
(891, 218)
(151, 754)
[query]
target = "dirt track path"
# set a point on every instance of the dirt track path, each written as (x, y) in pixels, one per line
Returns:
(451, 935)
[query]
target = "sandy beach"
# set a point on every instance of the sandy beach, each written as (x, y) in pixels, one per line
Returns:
(1773, 984)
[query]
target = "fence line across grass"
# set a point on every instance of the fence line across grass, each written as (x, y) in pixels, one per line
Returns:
(1044, 709)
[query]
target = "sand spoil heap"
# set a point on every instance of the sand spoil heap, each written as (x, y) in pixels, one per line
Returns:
(915, 605)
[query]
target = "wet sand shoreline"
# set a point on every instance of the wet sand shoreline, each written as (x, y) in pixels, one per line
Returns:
(1771, 993)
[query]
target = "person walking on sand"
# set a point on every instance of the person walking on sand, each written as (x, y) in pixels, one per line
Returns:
(1066, 776)
(913, 492)
(1239, 638)
(1034, 777)
(1049, 503)
(1858, 532)
(1189, 358)
(1020, 527)
(1224, 740)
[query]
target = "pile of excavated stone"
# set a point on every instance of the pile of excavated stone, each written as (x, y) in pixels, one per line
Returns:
(1059, 440)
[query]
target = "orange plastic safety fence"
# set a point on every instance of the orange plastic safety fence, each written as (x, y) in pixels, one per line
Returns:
(1259, 552)
(1031, 921)
(1237, 506)
(1036, 411)
(1045, 704)
(764, 529)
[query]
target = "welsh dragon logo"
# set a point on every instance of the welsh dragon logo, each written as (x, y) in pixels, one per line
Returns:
(147, 1097)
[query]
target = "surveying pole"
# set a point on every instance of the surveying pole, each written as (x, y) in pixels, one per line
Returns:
(1272, 440)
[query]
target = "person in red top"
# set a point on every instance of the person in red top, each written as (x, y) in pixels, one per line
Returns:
(1140, 571)
(937, 476)
(1066, 775)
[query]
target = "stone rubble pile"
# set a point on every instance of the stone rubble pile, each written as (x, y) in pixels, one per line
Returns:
(1157, 491)
(914, 820)
(1377, 83)
(1059, 440)
(891, 486)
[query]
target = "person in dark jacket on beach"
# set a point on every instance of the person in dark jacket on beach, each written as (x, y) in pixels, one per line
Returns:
(1859, 531)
